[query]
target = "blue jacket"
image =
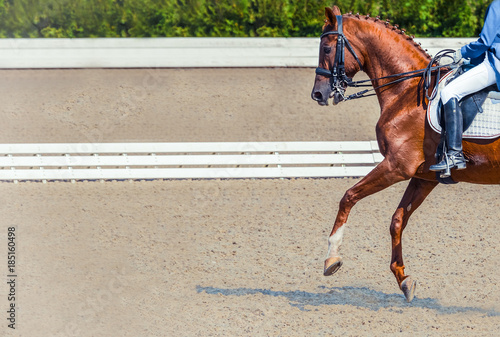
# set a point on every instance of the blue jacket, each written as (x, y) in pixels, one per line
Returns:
(488, 42)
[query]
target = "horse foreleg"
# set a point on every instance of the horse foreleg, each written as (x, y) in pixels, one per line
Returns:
(379, 178)
(415, 194)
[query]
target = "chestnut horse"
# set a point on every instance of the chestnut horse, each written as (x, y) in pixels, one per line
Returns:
(404, 137)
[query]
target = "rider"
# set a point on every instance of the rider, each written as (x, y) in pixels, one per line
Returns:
(486, 51)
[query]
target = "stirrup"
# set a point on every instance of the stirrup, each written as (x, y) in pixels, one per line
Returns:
(458, 160)
(454, 160)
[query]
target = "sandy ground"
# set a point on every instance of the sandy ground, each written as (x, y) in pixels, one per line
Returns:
(232, 257)
(177, 105)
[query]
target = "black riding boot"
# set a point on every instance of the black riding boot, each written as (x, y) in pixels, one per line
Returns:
(453, 157)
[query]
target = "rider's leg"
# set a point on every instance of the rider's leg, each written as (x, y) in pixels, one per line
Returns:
(472, 81)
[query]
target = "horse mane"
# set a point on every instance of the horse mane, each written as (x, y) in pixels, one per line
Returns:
(387, 25)
(394, 28)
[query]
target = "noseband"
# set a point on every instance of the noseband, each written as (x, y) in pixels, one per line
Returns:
(338, 78)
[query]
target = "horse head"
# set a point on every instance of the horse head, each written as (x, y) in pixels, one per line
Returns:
(336, 67)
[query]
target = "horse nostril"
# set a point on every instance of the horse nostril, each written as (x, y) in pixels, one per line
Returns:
(317, 96)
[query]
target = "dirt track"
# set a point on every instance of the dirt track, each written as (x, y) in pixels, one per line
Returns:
(233, 257)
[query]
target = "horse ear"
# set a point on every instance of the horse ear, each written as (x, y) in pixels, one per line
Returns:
(330, 14)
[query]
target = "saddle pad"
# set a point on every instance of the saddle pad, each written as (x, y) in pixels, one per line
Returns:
(486, 125)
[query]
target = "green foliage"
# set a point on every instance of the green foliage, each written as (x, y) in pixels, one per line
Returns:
(230, 18)
(436, 18)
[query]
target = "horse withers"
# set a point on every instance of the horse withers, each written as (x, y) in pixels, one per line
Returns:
(351, 43)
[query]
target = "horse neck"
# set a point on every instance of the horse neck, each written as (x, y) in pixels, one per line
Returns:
(387, 52)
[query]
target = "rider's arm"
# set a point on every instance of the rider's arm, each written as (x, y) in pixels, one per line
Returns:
(490, 33)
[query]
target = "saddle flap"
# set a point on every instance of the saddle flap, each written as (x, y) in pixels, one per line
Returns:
(471, 105)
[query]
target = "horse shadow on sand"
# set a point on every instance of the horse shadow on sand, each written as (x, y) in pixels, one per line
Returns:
(356, 296)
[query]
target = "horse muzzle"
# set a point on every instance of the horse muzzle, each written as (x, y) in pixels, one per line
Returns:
(321, 96)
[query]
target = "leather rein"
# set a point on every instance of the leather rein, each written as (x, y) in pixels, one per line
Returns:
(339, 80)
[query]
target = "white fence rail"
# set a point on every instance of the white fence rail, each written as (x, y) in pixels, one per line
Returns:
(174, 52)
(124, 161)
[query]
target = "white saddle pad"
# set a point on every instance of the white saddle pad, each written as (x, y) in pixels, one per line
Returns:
(486, 125)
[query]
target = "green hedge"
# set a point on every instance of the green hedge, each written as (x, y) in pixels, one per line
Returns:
(287, 18)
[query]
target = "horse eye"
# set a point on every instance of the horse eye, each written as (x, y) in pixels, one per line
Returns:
(327, 50)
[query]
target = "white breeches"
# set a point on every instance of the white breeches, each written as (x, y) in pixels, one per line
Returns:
(477, 78)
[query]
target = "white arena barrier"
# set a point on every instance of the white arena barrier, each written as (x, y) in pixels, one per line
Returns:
(145, 161)
(175, 52)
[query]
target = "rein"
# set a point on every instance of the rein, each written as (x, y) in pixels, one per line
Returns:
(339, 79)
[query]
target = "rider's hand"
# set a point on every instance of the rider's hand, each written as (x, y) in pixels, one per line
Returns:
(457, 56)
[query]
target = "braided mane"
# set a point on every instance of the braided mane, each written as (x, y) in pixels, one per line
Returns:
(394, 28)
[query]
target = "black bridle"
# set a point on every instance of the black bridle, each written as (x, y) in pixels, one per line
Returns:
(339, 80)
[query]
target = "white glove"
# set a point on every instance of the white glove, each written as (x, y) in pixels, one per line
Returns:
(457, 56)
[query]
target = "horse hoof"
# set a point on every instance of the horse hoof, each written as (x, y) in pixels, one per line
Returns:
(408, 287)
(332, 264)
